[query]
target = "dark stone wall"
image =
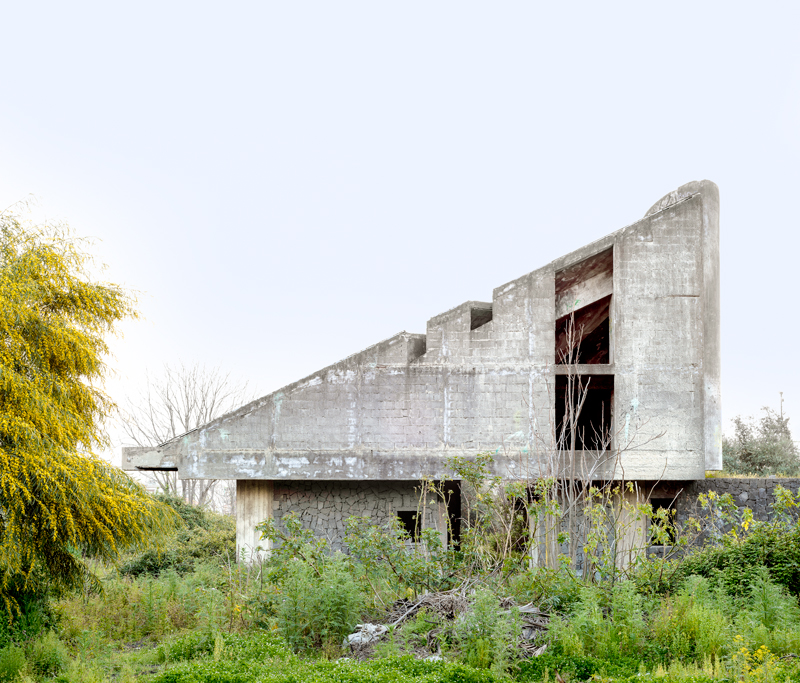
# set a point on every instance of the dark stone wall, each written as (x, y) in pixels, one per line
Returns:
(756, 494)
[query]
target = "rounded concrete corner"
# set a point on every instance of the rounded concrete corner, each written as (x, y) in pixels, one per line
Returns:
(707, 188)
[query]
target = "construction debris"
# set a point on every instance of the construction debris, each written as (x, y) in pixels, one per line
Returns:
(448, 606)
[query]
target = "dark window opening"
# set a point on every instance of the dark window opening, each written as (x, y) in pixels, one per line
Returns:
(662, 520)
(409, 521)
(590, 419)
(452, 497)
(583, 336)
(479, 317)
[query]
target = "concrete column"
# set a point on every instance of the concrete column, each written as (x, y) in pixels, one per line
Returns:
(253, 506)
(631, 532)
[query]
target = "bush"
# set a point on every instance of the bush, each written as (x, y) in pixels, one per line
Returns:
(205, 536)
(488, 636)
(47, 655)
(604, 625)
(761, 448)
(318, 610)
(187, 647)
(153, 562)
(12, 663)
(738, 562)
(690, 626)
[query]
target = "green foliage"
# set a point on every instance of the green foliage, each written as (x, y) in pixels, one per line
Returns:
(770, 606)
(424, 565)
(576, 667)
(295, 543)
(192, 516)
(691, 626)
(61, 504)
(550, 589)
(495, 533)
(738, 561)
(12, 663)
(47, 655)
(205, 536)
(488, 636)
(31, 615)
(761, 447)
(602, 624)
(147, 608)
(188, 646)
(393, 670)
(318, 611)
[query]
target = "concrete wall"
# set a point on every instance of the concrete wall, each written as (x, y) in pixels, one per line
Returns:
(399, 409)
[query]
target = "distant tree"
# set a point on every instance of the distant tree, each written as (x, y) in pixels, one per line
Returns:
(761, 447)
(176, 401)
(59, 503)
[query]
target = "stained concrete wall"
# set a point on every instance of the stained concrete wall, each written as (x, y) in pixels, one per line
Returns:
(398, 410)
(253, 505)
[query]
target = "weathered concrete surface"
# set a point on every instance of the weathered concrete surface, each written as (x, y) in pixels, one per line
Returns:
(482, 378)
(253, 505)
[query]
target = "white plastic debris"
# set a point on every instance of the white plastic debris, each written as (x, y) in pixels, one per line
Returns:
(366, 633)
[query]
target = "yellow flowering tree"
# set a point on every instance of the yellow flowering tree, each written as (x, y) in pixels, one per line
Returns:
(59, 503)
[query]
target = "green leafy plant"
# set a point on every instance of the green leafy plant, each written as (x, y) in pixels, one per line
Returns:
(47, 655)
(761, 447)
(318, 611)
(12, 663)
(488, 636)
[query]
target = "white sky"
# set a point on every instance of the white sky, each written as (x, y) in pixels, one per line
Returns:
(289, 183)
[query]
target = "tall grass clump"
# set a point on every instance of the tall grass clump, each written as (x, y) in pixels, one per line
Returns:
(488, 636)
(318, 609)
(12, 663)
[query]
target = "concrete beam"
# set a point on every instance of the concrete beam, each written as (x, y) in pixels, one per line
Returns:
(137, 458)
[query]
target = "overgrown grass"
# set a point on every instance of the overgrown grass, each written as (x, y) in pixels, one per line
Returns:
(724, 613)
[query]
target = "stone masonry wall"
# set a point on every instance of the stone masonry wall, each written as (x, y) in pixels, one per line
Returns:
(325, 506)
(754, 493)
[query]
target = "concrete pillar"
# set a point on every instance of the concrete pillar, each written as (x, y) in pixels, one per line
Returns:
(543, 533)
(253, 506)
(631, 532)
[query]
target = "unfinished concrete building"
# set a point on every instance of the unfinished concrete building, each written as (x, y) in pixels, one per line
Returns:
(356, 438)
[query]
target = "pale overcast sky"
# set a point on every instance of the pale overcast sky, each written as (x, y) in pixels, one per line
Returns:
(288, 183)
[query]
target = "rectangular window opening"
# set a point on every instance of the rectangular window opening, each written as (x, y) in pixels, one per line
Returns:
(583, 294)
(584, 336)
(452, 494)
(479, 317)
(584, 406)
(667, 523)
(409, 521)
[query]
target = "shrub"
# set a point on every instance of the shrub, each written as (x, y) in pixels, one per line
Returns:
(606, 625)
(187, 647)
(318, 610)
(762, 448)
(488, 636)
(12, 663)
(690, 627)
(205, 536)
(47, 655)
(738, 561)
(153, 562)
